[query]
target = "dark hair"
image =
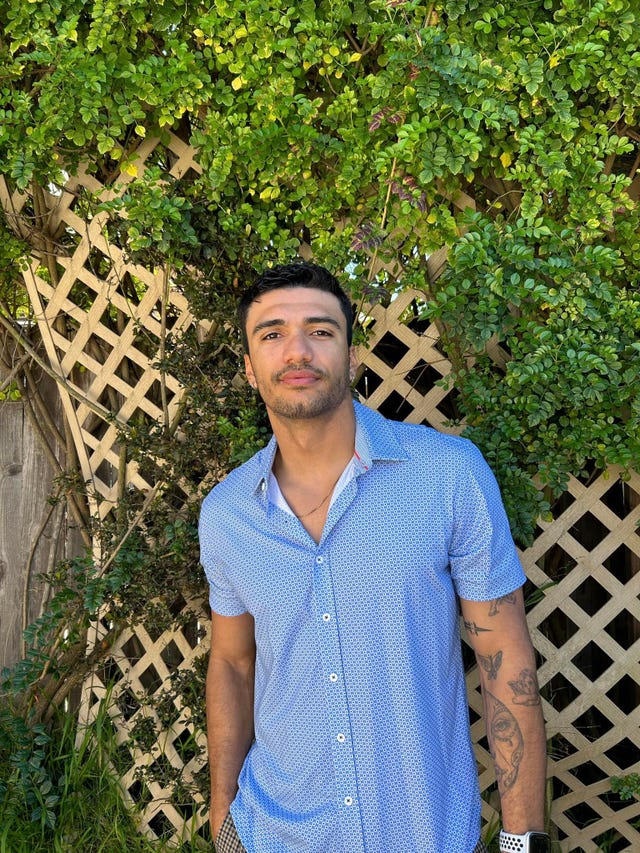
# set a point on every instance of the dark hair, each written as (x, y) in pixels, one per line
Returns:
(293, 275)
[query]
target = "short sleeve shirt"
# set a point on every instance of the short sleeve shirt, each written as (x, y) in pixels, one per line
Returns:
(362, 740)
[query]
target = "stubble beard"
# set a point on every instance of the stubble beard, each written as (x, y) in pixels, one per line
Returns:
(325, 401)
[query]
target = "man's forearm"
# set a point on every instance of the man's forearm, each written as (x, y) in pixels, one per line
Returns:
(516, 735)
(498, 633)
(229, 732)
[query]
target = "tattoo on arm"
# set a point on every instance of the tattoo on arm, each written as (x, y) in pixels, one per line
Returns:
(491, 664)
(504, 599)
(475, 629)
(505, 742)
(525, 688)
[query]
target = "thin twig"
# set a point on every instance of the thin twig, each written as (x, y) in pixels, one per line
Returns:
(163, 339)
(27, 580)
(137, 519)
(428, 16)
(71, 461)
(15, 370)
(55, 464)
(383, 222)
(43, 410)
(102, 411)
(122, 472)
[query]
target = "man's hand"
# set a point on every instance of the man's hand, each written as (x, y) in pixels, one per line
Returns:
(215, 822)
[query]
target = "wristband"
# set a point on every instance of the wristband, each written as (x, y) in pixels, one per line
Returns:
(530, 842)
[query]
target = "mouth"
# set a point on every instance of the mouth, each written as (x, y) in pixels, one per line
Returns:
(299, 377)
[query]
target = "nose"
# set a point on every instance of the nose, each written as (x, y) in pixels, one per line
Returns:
(298, 348)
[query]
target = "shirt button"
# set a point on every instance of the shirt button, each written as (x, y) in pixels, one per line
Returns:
(348, 801)
(341, 738)
(326, 617)
(333, 677)
(319, 560)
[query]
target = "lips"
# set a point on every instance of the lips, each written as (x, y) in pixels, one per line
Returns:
(299, 377)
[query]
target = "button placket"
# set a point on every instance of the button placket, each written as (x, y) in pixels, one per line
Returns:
(335, 691)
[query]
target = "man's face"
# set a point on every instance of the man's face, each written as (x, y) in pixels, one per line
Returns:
(298, 358)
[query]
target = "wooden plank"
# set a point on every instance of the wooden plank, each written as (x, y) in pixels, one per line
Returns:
(11, 570)
(26, 521)
(34, 535)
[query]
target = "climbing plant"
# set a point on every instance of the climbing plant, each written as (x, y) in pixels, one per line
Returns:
(350, 127)
(371, 135)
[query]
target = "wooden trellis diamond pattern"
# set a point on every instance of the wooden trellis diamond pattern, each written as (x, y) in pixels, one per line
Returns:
(587, 630)
(585, 622)
(401, 366)
(104, 344)
(162, 743)
(99, 316)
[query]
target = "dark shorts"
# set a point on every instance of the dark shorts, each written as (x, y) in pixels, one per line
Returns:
(228, 841)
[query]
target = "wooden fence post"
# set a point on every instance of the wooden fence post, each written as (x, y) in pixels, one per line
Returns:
(34, 533)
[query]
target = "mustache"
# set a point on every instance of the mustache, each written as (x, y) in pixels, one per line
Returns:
(295, 368)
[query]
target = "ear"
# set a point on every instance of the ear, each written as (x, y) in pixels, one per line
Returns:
(353, 363)
(248, 369)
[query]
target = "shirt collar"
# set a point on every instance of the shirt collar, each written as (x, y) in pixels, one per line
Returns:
(265, 464)
(375, 440)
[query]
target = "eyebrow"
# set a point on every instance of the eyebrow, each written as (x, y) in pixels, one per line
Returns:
(308, 321)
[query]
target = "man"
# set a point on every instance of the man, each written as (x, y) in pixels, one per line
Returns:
(337, 559)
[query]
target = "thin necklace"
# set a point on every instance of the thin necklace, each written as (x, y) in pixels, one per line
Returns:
(316, 508)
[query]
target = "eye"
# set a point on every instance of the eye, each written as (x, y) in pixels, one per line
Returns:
(322, 333)
(271, 336)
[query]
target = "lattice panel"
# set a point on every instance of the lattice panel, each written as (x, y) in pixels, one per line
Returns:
(103, 342)
(583, 567)
(587, 630)
(162, 751)
(583, 572)
(401, 366)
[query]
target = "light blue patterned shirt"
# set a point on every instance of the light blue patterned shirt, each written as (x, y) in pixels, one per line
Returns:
(362, 740)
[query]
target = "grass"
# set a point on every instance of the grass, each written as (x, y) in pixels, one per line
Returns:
(60, 796)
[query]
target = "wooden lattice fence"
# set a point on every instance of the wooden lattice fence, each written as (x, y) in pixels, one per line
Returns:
(583, 580)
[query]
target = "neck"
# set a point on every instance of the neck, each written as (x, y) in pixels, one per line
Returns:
(314, 447)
